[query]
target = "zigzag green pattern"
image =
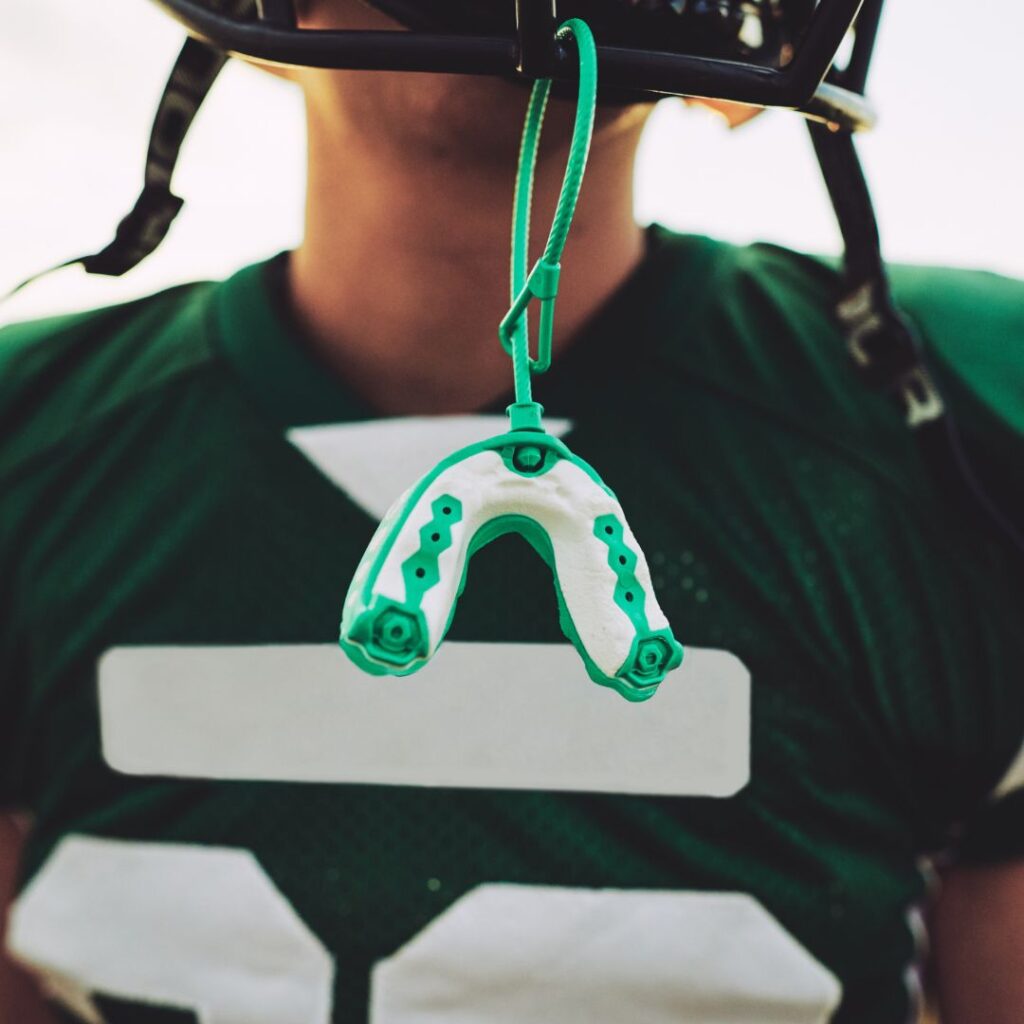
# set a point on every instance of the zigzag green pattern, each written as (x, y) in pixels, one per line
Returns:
(629, 594)
(420, 570)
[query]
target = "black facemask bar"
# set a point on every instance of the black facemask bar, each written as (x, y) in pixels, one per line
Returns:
(531, 52)
(880, 339)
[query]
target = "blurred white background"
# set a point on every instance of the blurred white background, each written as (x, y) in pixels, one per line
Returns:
(80, 80)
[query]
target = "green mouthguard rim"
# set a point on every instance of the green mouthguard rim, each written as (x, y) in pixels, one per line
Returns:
(654, 653)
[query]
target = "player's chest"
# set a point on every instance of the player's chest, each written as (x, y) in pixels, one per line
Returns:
(499, 786)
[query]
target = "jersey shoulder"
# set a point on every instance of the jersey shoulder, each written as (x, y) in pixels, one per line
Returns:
(755, 326)
(65, 375)
(767, 331)
(972, 326)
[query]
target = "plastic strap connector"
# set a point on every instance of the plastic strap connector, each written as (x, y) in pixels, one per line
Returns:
(542, 284)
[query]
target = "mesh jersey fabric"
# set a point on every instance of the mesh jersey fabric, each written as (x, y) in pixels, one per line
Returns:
(150, 496)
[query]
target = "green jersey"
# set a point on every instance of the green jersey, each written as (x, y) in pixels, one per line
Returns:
(234, 825)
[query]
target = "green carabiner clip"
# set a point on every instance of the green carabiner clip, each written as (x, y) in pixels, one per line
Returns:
(403, 594)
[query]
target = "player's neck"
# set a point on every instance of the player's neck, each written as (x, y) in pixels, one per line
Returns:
(403, 273)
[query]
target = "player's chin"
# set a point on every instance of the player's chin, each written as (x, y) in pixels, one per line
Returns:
(466, 118)
(479, 120)
(431, 116)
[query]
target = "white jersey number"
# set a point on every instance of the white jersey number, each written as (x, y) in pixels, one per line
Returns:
(204, 929)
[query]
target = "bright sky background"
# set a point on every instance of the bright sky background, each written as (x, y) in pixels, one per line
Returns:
(80, 81)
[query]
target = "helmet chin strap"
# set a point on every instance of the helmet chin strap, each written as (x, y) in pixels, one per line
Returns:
(146, 225)
(883, 343)
(880, 339)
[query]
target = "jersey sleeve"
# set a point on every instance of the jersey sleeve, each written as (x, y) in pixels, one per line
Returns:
(39, 360)
(61, 377)
(972, 328)
(22, 358)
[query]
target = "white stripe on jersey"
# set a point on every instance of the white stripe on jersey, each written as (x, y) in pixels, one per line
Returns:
(494, 716)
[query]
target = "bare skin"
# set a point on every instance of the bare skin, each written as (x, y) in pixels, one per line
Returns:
(977, 931)
(401, 278)
(20, 1000)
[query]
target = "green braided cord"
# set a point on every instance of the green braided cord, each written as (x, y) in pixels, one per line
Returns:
(582, 133)
(515, 321)
(522, 206)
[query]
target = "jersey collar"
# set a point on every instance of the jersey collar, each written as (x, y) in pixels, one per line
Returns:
(267, 349)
